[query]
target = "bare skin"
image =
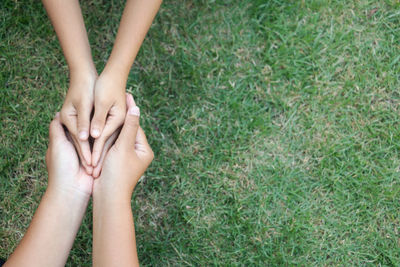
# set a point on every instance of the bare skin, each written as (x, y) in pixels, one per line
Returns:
(111, 84)
(68, 23)
(104, 93)
(53, 228)
(114, 241)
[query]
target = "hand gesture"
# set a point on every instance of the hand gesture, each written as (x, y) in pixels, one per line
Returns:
(127, 159)
(75, 115)
(66, 174)
(109, 113)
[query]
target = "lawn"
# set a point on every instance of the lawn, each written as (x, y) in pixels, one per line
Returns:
(275, 126)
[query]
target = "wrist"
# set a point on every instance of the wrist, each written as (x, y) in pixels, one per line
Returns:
(83, 69)
(83, 75)
(111, 194)
(68, 194)
(74, 202)
(82, 82)
(116, 74)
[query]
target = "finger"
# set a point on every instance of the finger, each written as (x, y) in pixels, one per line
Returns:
(112, 124)
(84, 121)
(142, 147)
(110, 141)
(130, 102)
(86, 166)
(127, 137)
(69, 121)
(141, 138)
(99, 119)
(97, 170)
(82, 147)
(68, 118)
(56, 131)
(86, 153)
(97, 149)
(88, 169)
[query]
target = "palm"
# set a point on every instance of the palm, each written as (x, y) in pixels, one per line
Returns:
(71, 173)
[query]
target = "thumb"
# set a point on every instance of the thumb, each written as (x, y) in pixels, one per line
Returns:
(99, 119)
(127, 137)
(141, 141)
(83, 122)
(142, 147)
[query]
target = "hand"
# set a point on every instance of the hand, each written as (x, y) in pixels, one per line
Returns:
(109, 112)
(75, 114)
(65, 172)
(53, 228)
(109, 142)
(126, 160)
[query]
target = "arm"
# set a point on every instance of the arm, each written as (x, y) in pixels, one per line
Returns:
(68, 23)
(52, 231)
(111, 85)
(114, 241)
(135, 22)
(67, 20)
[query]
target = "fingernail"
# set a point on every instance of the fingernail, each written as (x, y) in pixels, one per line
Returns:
(134, 111)
(83, 135)
(57, 114)
(95, 133)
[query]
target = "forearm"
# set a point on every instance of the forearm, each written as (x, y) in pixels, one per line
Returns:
(52, 231)
(67, 20)
(114, 241)
(135, 22)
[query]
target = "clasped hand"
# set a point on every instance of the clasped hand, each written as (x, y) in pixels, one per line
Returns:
(123, 163)
(55, 224)
(106, 95)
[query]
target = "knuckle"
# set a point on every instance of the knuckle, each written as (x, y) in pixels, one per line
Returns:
(120, 118)
(85, 104)
(133, 120)
(65, 116)
(83, 113)
(149, 156)
(134, 123)
(97, 122)
(130, 125)
(83, 123)
(102, 103)
(64, 110)
(100, 115)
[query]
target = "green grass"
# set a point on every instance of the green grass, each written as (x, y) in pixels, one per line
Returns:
(275, 125)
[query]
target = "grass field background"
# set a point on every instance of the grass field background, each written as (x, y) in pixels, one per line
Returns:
(275, 126)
